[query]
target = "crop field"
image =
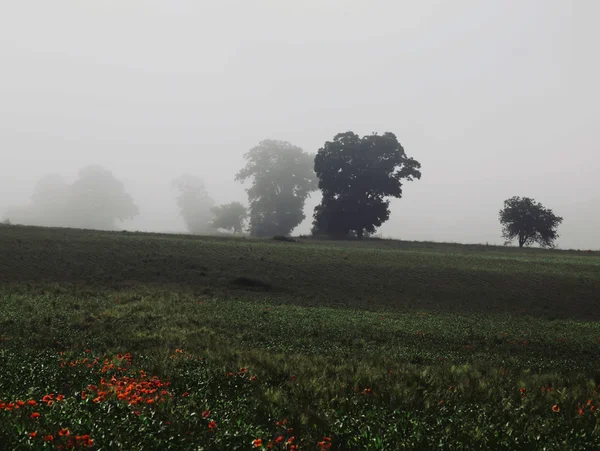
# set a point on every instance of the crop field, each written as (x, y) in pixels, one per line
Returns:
(146, 341)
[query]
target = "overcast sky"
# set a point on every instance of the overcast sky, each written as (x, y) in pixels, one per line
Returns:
(494, 98)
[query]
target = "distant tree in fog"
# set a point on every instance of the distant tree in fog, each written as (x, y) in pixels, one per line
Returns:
(96, 200)
(529, 222)
(47, 206)
(229, 217)
(282, 178)
(356, 175)
(195, 204)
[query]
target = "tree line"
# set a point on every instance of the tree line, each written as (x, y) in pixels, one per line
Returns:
(357, 177)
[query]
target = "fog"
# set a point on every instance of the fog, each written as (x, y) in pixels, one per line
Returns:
(494, 99)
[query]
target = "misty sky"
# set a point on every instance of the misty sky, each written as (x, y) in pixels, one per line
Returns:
(494, 98)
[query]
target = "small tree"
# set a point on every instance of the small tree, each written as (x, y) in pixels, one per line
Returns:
(282, 178)
(528, 221)
(230, 217)
(356, 175)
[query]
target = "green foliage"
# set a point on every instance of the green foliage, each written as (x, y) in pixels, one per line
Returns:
(356, 175)
(229, 217)
(282, 178)
(195, 204)
(528, 221)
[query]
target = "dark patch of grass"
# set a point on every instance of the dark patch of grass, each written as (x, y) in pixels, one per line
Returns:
(249, 282)
(285, 239)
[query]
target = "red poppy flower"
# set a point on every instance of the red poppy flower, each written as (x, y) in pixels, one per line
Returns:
(35, 415)
(212, 425)
(33, 434)
(64, 432)
(257, 443)
(205, 413)
(555, 408)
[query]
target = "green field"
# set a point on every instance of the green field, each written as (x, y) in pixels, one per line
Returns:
(146, 341)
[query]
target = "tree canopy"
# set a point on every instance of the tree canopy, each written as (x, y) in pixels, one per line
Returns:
(194, 203)
(282, 178)
(96, 200)
(356, 175)
(529, 222)
(229, 217)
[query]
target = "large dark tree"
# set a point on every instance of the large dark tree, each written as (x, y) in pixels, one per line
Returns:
(529, 222)
(282, 178)
(356, 175)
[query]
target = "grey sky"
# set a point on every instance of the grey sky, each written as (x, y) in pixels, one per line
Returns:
(494, 98)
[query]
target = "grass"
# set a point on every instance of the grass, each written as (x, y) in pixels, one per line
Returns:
(237, 344)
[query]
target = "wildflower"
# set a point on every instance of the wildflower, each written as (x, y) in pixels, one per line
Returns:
(555, 408)
(243, 370)
(205, 414)
(291, 440)
(257, 443)
(34, 415)
(33, 434)
(325, 444)
(279, 439)
(32, 402)
(580, 411)
(185, 394)
(20, 403)
(212, 425)
(60, 397)
(64, 432)
(592, 408)
(253, 378)
(48, 438)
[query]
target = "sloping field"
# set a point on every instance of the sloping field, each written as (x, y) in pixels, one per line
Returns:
(378, 274)
(146, 341)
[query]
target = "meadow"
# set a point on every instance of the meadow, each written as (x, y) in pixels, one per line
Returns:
(120, 340)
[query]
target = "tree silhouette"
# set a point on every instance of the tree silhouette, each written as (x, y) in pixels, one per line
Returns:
(97, 200)
(282, 178)
(528, 221)
(356, 175)
(229, 217)
(194, 203)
